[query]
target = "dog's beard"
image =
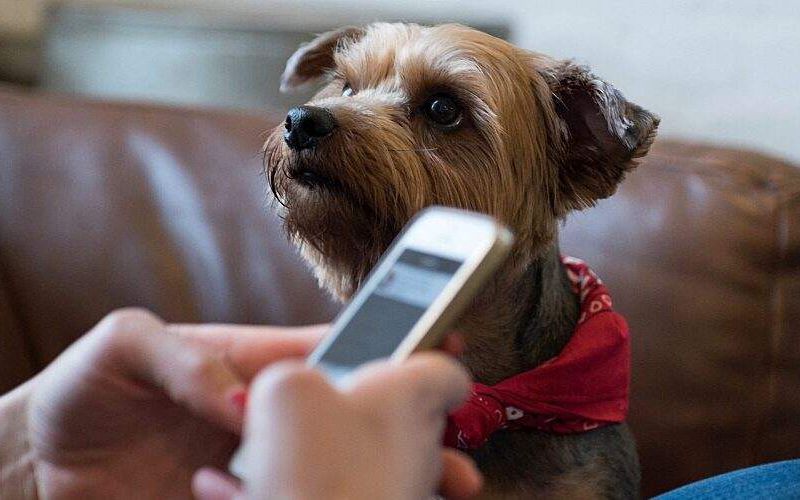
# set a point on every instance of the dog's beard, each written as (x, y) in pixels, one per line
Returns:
(339, 228)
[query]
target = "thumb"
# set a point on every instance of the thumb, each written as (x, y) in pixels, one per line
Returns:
(189, 373)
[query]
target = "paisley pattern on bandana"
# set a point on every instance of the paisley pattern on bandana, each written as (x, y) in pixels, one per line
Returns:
(585, 387)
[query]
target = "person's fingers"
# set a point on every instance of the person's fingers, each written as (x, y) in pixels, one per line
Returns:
(212, 484)
(286, 392)
(460, 477)
(193, 375)
(429, 382)
(453, 344)
(250, 348)
(286, 384)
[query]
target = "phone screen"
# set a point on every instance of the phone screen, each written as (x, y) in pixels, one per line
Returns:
(389, 313)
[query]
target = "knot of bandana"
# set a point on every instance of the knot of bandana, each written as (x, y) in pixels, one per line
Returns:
(584, 387)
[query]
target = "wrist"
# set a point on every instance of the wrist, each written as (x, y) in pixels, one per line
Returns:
(17, 477)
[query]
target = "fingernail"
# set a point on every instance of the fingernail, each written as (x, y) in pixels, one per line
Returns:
(239, 399)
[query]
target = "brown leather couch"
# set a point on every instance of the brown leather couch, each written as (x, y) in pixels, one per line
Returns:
(106, 205)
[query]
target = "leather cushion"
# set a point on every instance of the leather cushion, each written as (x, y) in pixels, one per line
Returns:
(701, 252)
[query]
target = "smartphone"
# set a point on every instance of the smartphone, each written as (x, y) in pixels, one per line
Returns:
(413, 295)
(421, 285)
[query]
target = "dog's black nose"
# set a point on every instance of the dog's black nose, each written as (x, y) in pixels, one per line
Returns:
(305, 125)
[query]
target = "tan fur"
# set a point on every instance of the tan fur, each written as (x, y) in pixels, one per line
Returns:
(539, 137)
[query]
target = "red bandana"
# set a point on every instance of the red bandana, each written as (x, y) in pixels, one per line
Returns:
(583, 388)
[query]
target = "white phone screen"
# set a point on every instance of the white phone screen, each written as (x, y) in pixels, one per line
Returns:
(389, 313)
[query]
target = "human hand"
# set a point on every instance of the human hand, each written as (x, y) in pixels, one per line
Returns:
(378, 437)
(136, 406)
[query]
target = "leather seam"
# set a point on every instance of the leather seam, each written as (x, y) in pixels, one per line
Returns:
(776, 328)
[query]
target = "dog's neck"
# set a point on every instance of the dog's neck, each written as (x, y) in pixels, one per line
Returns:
(525, 317)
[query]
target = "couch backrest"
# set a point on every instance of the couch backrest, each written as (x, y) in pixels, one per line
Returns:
(110, 205)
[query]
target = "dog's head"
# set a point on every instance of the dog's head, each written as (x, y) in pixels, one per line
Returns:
(411, 116)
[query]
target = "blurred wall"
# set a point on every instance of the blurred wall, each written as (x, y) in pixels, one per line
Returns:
(719, 70)
(715, 70)
(200, 56)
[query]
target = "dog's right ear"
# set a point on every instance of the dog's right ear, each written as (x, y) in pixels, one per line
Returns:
(310, 62)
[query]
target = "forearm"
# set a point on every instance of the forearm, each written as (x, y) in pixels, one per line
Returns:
(17, 480)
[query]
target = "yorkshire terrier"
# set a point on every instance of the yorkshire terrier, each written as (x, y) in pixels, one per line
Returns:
(411, 116)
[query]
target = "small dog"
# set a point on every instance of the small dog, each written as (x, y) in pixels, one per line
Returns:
(411, 116)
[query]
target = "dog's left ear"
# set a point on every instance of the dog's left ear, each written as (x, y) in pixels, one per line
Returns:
(603, 134)
(313, 59)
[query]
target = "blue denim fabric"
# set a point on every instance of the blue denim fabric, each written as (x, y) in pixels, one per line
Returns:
(775, 481)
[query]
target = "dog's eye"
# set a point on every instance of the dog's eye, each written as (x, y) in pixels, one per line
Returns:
(347, 90)
(443, 110)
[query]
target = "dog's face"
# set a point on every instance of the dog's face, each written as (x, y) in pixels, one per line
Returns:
(412, 116)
